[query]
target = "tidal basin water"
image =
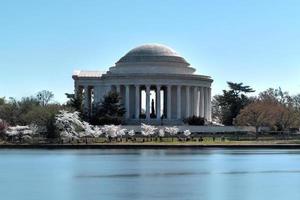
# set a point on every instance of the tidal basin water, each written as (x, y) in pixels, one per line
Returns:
(212, 174)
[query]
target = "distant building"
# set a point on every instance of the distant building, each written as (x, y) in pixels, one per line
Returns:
(155, 84)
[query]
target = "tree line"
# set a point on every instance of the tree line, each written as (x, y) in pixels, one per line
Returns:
(272, 108)
(41, 110)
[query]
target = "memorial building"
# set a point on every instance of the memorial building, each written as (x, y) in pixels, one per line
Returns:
(155, 83)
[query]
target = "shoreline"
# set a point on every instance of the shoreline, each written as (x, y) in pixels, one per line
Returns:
(149, 146)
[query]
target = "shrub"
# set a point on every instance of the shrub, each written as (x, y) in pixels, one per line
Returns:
(52, 130)
(142, 116)
(3, 127)
(109, 120)
(194, 120)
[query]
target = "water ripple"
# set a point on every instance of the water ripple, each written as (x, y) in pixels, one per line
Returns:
(175, 174)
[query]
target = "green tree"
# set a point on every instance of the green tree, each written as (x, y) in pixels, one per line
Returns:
(109, 111)
(40, 115)
(26, 111)
(3, 127)
(295, 102)
(52, 131)
(228, 105)
(75, 101)
(238, 88)
(10, 112)
(2, 101)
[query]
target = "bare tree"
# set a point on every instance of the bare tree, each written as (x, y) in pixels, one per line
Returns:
(269, 113)
(256, 114)
(44, 97)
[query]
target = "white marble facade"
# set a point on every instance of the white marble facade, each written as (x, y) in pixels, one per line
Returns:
(155, 83)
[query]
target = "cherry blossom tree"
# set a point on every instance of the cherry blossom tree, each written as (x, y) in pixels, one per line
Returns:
(187, 133)
(172, 131)
(148, 130)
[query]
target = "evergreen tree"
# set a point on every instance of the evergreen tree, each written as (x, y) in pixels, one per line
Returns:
(75, 101)
(231, 102)
(109, 111)
(52, 131)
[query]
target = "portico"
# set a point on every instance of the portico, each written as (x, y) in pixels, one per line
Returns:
(156, 86)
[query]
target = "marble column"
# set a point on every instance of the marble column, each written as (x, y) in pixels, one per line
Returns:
(195, 110)
(127, 101)
(148, 102)
(96, 95)
(118, 89)
(178, 101)
(169, 104)
(165, 102)
(205, 103)
(209, 105)
(92, 98)
(137, 101)
(86, 98)
(158, 107)
(199, 99)
(76, 90)
(202, 102)
(188, 101)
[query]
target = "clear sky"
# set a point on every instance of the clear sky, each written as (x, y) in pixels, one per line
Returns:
(252, 41)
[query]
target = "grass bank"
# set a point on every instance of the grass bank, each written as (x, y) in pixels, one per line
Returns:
(159, 145)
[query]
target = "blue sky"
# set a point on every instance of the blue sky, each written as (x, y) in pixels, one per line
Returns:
(252, 41)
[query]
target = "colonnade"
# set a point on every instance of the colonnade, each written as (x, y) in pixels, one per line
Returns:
(179, 101)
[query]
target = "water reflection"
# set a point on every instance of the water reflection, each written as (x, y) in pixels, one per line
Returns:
(150, 174)
(134, 175)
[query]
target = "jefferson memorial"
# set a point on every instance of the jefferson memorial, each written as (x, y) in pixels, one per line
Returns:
(155, 83)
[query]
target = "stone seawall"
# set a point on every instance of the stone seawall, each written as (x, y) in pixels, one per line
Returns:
(149, 146)
(204, 129)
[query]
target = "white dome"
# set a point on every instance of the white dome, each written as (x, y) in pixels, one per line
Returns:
(152, 53)
(152, 59)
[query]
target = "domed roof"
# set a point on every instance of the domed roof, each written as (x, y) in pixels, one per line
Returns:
(152, 53)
